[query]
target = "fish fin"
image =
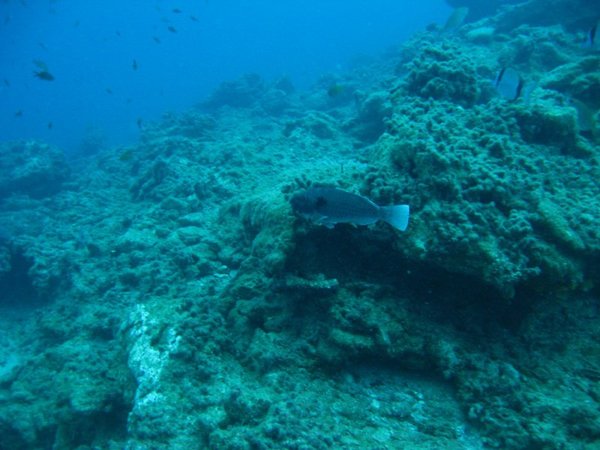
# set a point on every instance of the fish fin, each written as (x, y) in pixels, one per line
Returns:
(396, 216)
(324, 220)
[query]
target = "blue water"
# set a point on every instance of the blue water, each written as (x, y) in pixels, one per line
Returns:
(90, 47)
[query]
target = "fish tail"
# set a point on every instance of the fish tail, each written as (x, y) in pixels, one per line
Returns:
(396, 216)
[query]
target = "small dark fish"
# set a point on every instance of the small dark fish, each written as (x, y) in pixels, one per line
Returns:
(6, 83)
(50, 125)
(172, 29)
(456, 19)
(509, 83)
(139, 122)
(194, 19)
(43, 46)
(157, 40)
(177, 10)
(330, 206)
(43, 75)
(109, 91)
(40, 64)
(19, 113)
(590, 38)
(134, 66)
(118, 33)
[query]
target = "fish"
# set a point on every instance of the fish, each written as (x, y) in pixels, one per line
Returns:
(456, 19)
(335, 90)
(43, 75)
(50, 125)
(172, 29)
(19, 113)
(134, 66)
(329, 206)
(40, 64)
(590, 38)
(140, 122)
(586, 120)
(509, 84)
(194, 19)
(176, 11)
(156, 39)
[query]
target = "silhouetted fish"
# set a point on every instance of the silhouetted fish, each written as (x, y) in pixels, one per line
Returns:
(329, 206)
(43, 75)
(157, 40)
(194, 18)
(509, 83)
(176, 10)
(50, 125)
(19, 113)
(590, 38)
(172, 29)
(134, 66)
(586, 120)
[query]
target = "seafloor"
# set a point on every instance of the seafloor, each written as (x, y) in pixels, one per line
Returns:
(164, 295)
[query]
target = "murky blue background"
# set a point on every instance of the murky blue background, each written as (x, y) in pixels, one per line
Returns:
(90, 47)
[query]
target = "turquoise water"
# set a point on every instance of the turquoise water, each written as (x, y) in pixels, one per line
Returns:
(176, 271)
(91, 47)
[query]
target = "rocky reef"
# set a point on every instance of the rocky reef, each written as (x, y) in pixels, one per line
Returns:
(164, 295)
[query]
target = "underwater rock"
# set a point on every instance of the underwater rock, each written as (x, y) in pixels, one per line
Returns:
(579, 79)
(443, 71)
(242, 93)
(275, 102)
(314, 288)
(466, 192)
(31, 168)
(550, 126)
(373, 111)
(478, 9)
(481, 35)
(318, 123)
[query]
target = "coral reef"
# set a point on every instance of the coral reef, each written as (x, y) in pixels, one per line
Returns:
(164, 295)
(31, 168)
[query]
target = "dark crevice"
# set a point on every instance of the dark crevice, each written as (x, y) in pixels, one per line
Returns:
(356, 256)
(16, 288)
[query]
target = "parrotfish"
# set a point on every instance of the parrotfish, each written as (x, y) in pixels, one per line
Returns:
(330, 206)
